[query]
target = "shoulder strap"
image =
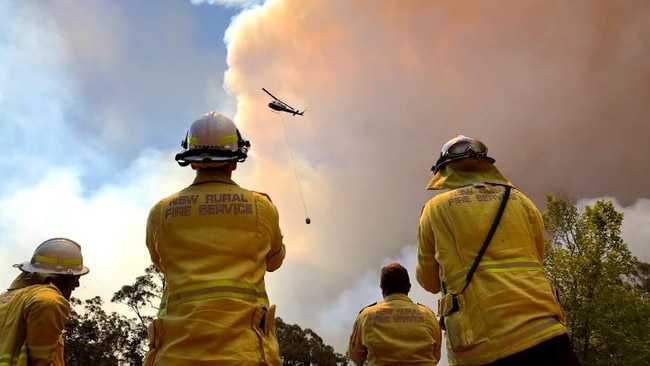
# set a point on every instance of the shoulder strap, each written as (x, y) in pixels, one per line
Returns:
(495, 223)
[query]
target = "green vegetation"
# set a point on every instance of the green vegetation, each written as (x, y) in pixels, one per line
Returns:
(604, 289)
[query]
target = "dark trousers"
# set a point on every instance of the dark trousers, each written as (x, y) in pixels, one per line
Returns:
(553, 352)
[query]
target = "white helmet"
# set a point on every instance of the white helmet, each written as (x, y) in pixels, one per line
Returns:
(212, 141)
(56, 256)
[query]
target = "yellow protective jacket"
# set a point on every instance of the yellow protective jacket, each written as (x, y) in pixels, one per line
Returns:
(214, 241)
(32, 318)
(510, 304)
(396, 331)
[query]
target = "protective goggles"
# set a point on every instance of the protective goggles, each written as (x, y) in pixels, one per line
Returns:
(462, 147)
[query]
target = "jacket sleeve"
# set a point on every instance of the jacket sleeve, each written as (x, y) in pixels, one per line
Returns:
(271, 223)
(46, 314)
(437, 335)
(538, 229)
(153, 227)
(536, 224)
(434, 328)
(427, 269)
(356, 350)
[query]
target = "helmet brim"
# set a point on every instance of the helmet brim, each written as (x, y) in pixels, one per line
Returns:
(465, 172)
(440, 164)
(27, 267)
(188, 157)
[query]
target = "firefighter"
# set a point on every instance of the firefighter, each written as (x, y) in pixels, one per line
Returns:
(35, 308)
(395, 331)
(501, 310)
(214, 241)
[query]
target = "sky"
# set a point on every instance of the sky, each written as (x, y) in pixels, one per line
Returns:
(95, 97)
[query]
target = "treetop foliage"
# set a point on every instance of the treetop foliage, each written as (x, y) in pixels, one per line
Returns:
(601, 285)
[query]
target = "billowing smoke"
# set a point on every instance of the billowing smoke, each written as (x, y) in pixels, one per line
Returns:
(558, 92)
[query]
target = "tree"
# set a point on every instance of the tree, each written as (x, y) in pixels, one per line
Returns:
(94, 337)
(641, 279)
(143, 295)
(300, 347)
(600, 283)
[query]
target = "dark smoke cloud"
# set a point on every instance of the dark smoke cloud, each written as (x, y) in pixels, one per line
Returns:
(558, 91)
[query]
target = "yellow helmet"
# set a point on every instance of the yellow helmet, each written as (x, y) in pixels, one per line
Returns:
(56, 256)
(461, 147)
(213, 140)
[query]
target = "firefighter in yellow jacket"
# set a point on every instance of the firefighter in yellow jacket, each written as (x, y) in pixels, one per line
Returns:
(35, 308)
(508, 313)
(214, 241)
(395, 331)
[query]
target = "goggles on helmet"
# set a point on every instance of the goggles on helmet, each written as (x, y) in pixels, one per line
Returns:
(460, 147)
(463, 147)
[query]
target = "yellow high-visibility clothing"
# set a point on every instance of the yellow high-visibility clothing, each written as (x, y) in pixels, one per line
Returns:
(214, 241)
(32, 319)
(396, 331)
(510, 304)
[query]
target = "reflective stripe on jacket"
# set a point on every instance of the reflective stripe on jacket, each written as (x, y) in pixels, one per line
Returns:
(32, 319)
(396, 331)
(509, 305)
(214, 241)
(213, 290)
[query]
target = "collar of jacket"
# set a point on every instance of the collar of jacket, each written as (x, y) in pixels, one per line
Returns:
(206, 176)
(397, 296)
(465, 172)
(26, 279)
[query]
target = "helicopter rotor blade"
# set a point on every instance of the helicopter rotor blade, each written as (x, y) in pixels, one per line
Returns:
(285, 104)
(272, 96)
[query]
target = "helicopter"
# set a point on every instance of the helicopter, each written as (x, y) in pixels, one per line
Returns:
(280, 106)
